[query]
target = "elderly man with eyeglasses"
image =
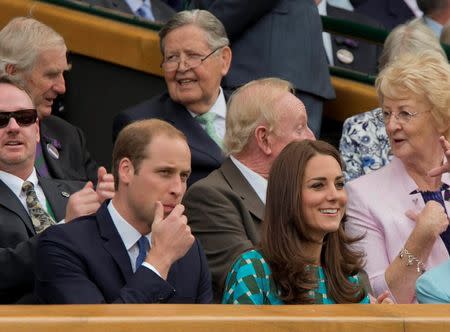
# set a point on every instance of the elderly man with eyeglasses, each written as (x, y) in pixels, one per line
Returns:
(196, 57)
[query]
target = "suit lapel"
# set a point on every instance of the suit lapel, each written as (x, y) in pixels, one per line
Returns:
(53, 164)
(56, 195)
(241, 186)
(10, 201)
(112, 241)
(198, 139)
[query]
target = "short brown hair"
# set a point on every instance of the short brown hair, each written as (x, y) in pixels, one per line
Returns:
(284, 233)
(134, 139)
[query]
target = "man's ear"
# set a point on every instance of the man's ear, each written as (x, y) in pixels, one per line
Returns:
(226, 59)
(125, 171)
(262, 139)
(10, 69)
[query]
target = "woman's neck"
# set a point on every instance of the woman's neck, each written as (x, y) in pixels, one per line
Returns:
(418, 171)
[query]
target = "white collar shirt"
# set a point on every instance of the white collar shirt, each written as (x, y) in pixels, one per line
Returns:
(326, 37)
(130, 237)
(15, 184)
(256, 181)
(220, 109)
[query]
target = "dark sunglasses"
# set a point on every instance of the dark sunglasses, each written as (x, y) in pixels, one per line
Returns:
(23, 118)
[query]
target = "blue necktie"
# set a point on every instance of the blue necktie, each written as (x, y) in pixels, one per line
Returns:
(144, 246)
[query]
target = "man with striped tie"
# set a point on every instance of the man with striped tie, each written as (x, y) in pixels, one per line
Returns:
(28, 203)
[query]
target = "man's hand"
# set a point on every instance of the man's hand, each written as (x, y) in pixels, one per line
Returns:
(171, 238)
(446, 166)
(82, 203)
(105, 185)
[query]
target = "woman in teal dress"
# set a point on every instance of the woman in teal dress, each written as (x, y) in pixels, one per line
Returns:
(304, 256)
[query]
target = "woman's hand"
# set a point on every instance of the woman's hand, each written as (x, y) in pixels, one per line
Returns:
(445, 167)
(383, 298)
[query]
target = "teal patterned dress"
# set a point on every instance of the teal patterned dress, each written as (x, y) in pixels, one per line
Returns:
(250, 282)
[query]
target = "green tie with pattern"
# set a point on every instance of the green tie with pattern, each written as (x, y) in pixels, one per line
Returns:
(40, 218)
(207, 119)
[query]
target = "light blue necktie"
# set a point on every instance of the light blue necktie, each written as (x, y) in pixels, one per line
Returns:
(144, 246)
(145, 11)
(207, 119)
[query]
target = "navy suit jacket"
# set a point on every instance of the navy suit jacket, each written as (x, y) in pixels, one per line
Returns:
(73, 161)
(206, 154)
(388, 12)
(18, 238)
(86, 261)
(281, 38)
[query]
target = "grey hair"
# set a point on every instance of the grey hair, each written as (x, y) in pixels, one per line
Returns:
(214, 29)
(21, 42)
(411, 37)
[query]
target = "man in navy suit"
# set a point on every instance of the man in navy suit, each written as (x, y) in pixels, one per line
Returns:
(137, 248)
(196, 56)
(19, 231)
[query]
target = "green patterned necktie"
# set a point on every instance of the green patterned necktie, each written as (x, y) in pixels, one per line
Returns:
(40, 218)
(207, 119)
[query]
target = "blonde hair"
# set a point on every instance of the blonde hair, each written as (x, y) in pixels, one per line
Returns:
(21, 42)
(426, 76)
(250, 105)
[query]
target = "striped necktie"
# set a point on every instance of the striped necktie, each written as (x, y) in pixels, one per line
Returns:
(39, 162)
(207, 120)
(40, 218)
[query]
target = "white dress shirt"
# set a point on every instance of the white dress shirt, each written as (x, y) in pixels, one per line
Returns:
(412, 4)
(220, 109)
(136, 4)
(257, 182)
(322, 7)
(15, 184)
(130, 237)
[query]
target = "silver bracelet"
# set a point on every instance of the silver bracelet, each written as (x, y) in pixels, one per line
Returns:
(411, 259)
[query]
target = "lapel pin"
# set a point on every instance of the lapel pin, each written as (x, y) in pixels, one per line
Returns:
(65, 193)
(345, 56)
(53, 151)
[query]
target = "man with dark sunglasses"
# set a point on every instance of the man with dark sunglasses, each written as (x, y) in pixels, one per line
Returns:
(28, 203)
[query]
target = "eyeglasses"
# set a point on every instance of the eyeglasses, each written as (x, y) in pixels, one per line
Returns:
(25, 117)
(402, 116)
(191, 61)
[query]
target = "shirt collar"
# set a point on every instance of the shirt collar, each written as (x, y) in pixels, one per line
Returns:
(258, 183)
(15, 183)
(433, 25)
(136, 4)
(322, 7)
(219, 107)
(128, 233)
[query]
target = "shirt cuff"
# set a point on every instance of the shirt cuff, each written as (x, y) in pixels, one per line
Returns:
(151, 267)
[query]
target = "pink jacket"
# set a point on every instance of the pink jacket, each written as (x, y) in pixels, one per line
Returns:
(377, 205)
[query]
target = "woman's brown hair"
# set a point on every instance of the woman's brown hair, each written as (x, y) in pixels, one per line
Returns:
(285, 234)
